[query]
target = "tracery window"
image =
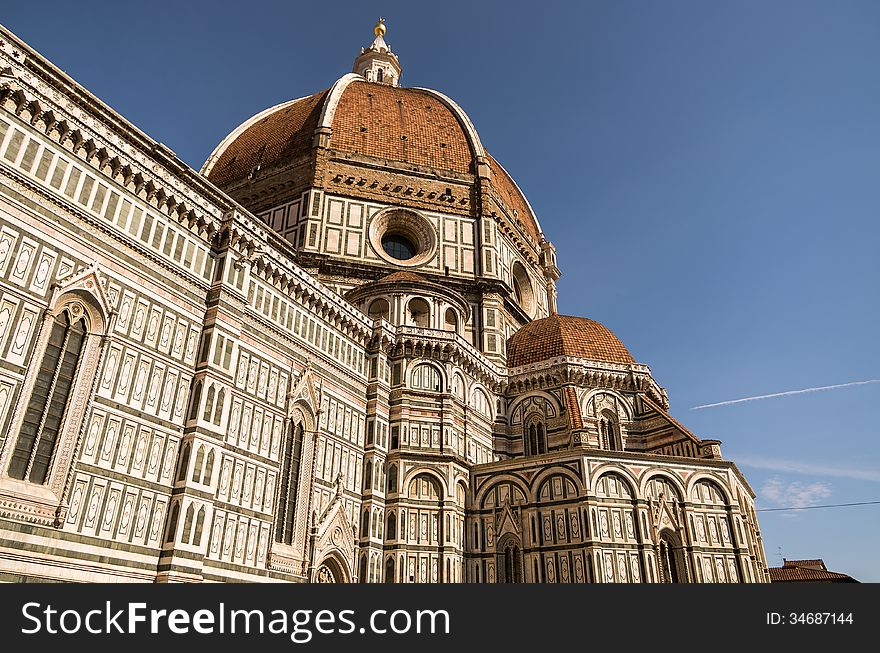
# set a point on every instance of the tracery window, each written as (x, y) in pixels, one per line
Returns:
(534, 437)
(670, 570)
(510, 561)
(47, 406)
(609, 432)
(286, 510)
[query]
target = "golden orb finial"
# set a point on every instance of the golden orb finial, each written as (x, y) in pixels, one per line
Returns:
(379, 29)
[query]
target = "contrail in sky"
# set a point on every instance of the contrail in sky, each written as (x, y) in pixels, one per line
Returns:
(786, 394)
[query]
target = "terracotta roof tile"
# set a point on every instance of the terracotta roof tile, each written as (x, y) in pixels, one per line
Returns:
(815, 564)
(789, 574)
(401, 124)
(575, 419)
(513, 198)
(280, 137)
(375, 120)
(563, 335)
(403, 276)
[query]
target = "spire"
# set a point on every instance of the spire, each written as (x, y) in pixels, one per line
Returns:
(378, 63)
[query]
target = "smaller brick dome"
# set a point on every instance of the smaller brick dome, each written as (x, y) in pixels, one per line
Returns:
(564, 335)
(403, 276)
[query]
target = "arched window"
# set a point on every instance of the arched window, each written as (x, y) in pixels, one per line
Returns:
(363, 578)
(379, 309)
(49, 400)
(209, 404)
(426, 377)
(286, 510)
(458, 387)
(365, 524)
(450, 321)
(419, 312)
(509, 561)
(197, 397)
(172, 523)
(200, 523)
(670, 564)
(391, 531)
(184, 462)
(187, 523)
(480, 403)
(392, 479)
(209, 468)
(55, 393)
(534, 437)
(197, 468)
(380, 75)
(522, 288)
(424, 486)
(368, 474)
(389, 570)
(609, 432)
(218, 410)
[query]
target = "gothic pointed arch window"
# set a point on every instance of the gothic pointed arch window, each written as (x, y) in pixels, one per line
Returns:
(391, 530)
(365, 523)
(197, 467)
(188, 523)
(389, 570)
(534, 436)
(509, 560)
(671, 564)
(368, 474)
(200, 524)
(609, 432)
(209, 404)
(218, 409)
(172, 523)
(56, 391)
(49, 399)
(209, 469)
(290, 472)
(184, 463)
(392, 479)
(197, 397)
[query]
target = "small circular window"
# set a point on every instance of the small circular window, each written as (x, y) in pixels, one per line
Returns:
(398, 246)
(402, 237)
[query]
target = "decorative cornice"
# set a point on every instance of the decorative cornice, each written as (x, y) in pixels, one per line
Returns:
(584, 372)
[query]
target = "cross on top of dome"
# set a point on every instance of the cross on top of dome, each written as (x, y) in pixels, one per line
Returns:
(378, 63)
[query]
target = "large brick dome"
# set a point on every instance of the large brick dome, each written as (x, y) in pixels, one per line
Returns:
(420, 129)
(564, 335)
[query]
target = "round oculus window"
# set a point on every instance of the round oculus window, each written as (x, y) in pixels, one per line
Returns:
(402, 237)
(398, 246)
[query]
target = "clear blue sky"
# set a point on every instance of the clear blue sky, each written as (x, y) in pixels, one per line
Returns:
(709, 172)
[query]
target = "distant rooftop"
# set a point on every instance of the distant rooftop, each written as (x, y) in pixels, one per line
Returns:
(796, 571)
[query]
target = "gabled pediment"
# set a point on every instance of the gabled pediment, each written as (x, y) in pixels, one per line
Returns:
(306, 389)
(88, 281)
(506, 521)
(663, 515)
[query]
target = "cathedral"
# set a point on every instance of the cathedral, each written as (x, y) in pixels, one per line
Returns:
(333, 354)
